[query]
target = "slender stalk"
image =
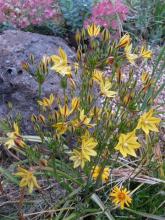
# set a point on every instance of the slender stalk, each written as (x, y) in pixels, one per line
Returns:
(149, 149)
(39, 90)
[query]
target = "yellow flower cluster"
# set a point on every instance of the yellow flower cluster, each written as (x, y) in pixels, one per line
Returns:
(82, 120)
(103, 173)
(65, 111)
(105, 85)
(93, 121)
(74, 123)
(125, 42)
(46, 102)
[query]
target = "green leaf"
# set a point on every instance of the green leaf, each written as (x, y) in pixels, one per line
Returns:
(146, 99)
(73, 216)
(160, 57)
(98, 201)
(147, 215)
(8, 175)
(159, 90)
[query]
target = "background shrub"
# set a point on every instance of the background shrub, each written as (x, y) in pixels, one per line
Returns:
(75, 12)
(147, 19)
(24, 13)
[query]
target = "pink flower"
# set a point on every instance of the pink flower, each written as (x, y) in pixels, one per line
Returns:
(22, 13)
(105, 14)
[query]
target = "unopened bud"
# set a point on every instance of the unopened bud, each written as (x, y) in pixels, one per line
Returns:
(110, 60)
(119, 75)
(41, 118)
(127, 99)
(89, 98)
(31, 58)
(72, 83)
(25, 66)
(43, 163)
(83, 32)
(79, 54)
(33, 118)
(78, 37)
(105, 35)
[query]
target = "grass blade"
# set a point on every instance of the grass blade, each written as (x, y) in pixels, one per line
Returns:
(98, 201)
(8, 175)
(147, 215)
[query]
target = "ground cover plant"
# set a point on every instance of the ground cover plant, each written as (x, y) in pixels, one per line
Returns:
(99, 140)
(146, 19)
(22, 14)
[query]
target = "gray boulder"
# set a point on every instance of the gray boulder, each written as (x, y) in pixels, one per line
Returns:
(18, 87)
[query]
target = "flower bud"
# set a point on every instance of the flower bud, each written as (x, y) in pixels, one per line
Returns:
(78, 37)
(79, 54)
(33, 118)
(25, 66)
(89, 98)
(110, 60)
(118, 75)
(83, 32)
(72, 83)
(43, 163)
(105, 35)
(31, 58)
(41, 118)
(127, 99)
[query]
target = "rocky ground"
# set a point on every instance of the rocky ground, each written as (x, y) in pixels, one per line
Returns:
(18, 87)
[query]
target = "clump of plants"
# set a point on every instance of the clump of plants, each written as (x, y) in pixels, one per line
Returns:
(24, 13)
(75, 12)
(146, 19)
(100, 143)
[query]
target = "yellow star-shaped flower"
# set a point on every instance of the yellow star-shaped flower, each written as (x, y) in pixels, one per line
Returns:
(28, 179)
(60, 63)
(105, 89)
(145, 53)
(128, 144)
(148, 122)
(14, 138)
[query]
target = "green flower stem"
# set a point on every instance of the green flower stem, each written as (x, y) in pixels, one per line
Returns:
(149, 148)
(39, 90)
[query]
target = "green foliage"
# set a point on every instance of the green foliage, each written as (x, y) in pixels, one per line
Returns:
(57, 29)
(4, 27)
(147, 19)
(75, 12)
(150, 199)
